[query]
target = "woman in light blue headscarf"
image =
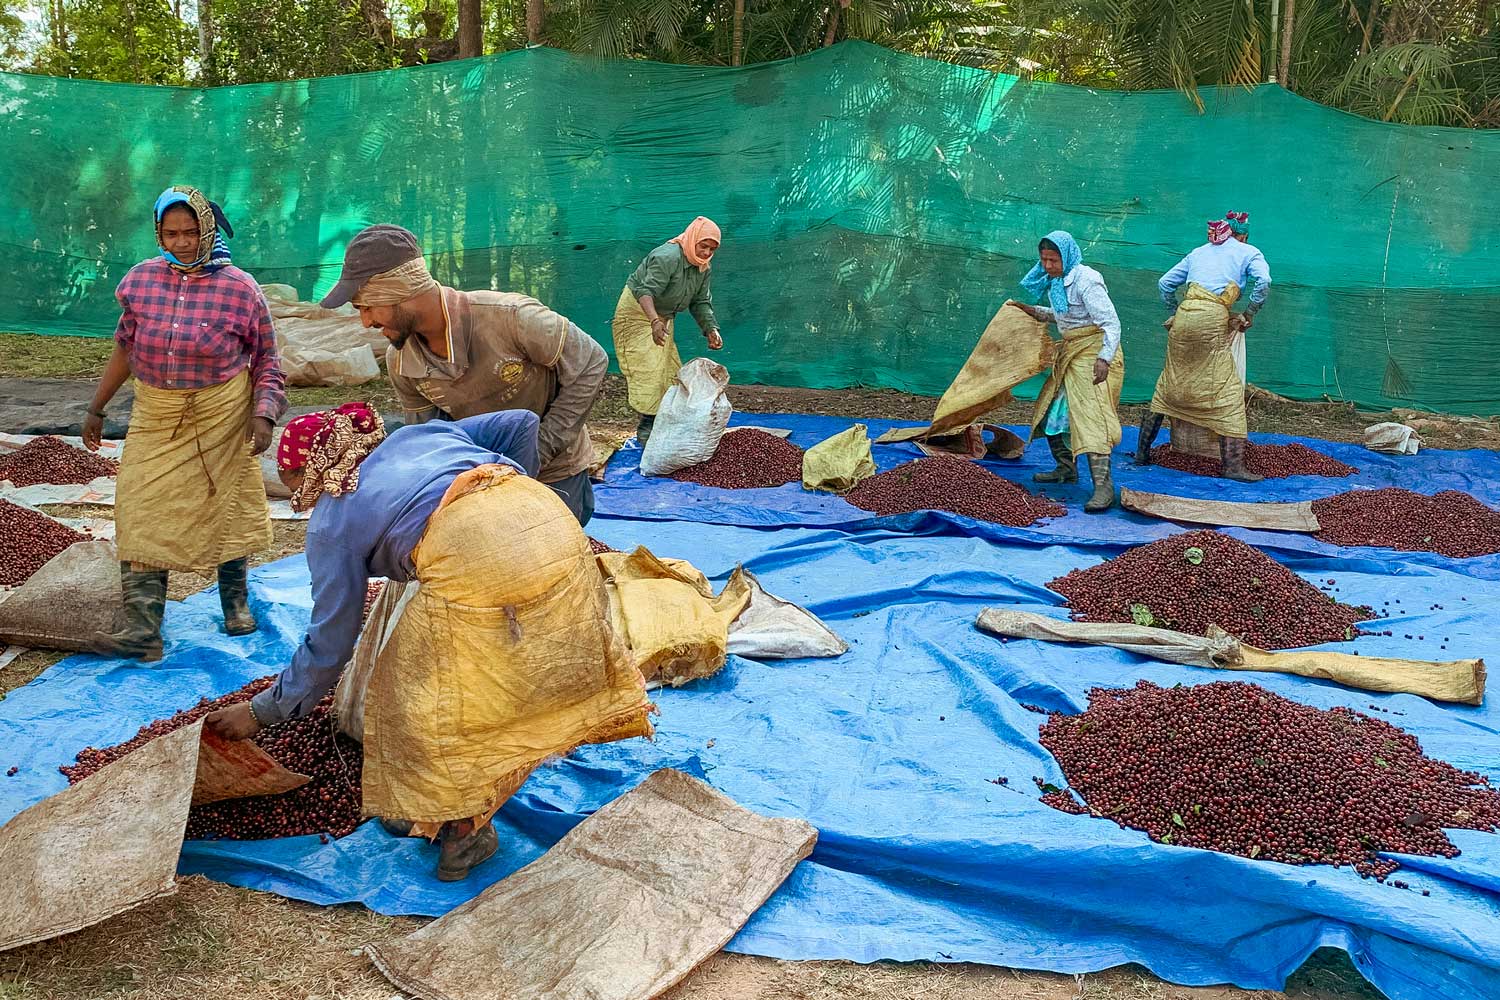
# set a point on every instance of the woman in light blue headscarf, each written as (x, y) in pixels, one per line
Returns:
(1082, 392)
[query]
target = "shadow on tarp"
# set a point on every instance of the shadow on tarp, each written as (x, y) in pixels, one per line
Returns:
(628, 494)
(891, 751)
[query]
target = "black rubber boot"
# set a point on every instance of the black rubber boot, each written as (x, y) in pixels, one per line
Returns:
(1232, 461)
(234, 597)
(145, 601)
(1066, 471)
(1150, 427)
(396, 827)
(1104, 485)
(643, 429)
(464, 851)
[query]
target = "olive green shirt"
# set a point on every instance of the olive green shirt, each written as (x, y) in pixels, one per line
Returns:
(507, 352)
(675, 286)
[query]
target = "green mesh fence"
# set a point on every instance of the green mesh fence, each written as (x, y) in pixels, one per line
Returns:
(877, 208)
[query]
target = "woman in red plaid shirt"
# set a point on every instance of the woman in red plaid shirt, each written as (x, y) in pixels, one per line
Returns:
(196, 333)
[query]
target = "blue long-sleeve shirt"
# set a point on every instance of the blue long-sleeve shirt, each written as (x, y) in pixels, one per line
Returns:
(1215, 267)
(372, 531)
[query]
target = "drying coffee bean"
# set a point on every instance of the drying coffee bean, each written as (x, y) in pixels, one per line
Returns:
(953, 485)
(599, 547)
(29, 540)
(52, 460)
(328, 805)
(1450, 523)
(1200, 578)
(747, 460)
(1274, 461)
(1232, 767)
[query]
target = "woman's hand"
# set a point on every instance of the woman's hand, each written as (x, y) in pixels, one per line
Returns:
(1101, 371)
(714, 340)
(237, 722)
(93, 431)
(659, 331)
(1028, 310)
(258, 433)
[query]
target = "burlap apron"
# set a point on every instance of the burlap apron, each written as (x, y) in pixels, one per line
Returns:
(648, 369)
(1199, 382)
(1093, 410)
(504, 658)
(190, 495)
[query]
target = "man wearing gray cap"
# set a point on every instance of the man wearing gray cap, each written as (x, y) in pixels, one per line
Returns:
(465, 353)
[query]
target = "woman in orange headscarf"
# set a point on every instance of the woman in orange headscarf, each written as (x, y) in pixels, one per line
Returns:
(673, 277)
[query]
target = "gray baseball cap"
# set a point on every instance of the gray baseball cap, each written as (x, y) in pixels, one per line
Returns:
(373, 251)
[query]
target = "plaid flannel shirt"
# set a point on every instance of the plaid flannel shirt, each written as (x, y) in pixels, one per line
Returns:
(192, 331)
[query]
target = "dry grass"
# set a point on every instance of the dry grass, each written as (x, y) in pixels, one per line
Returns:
(210, 940)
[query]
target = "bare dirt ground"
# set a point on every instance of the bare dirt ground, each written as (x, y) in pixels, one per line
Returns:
(217, 940)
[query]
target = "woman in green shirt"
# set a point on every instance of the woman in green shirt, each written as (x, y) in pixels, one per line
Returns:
(673, 277)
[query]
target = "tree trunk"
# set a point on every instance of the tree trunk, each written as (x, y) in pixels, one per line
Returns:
(536, 21)
(132, 44)
(206, 68)
(737, 56)
(1370, 22)
(1289, 17)
(834, 9)
(470, 29)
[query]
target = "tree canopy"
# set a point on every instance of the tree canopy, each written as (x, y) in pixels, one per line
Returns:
(1427, 62)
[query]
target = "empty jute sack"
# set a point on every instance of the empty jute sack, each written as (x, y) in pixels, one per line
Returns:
(840, 463)
(623, 908)
(1012, 349)
(1459, 681)
(111, 842)
(75, 595)
(1190, 510)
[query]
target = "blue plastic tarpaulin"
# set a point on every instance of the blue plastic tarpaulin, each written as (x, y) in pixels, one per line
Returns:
(892, 749)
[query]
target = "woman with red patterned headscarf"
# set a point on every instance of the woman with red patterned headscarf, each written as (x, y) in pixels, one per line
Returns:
(453, 505)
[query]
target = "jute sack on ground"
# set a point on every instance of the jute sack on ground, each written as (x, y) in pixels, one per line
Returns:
(772, 629)
(840, 463)
(1012, 349)
(1454, 680)
(66, 602)
(690, 420)
(676, 628)
(322, 346)
(1392, 438)
(503, 658)
(111, 842)
(1265, 516)
(623, 908)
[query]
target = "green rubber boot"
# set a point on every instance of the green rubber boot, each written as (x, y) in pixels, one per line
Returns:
(1066, 471)
(234, 597)
(145, 600)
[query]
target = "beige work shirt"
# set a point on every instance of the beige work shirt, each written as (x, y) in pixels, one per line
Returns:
(507, 352)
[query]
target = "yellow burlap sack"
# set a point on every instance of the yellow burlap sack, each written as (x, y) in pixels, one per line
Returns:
(190, 494)
(677, 630)
(503, 658)
(1093, 410)
(840, 463)
(1012, 349)
(649, 370)
(1199, 382)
